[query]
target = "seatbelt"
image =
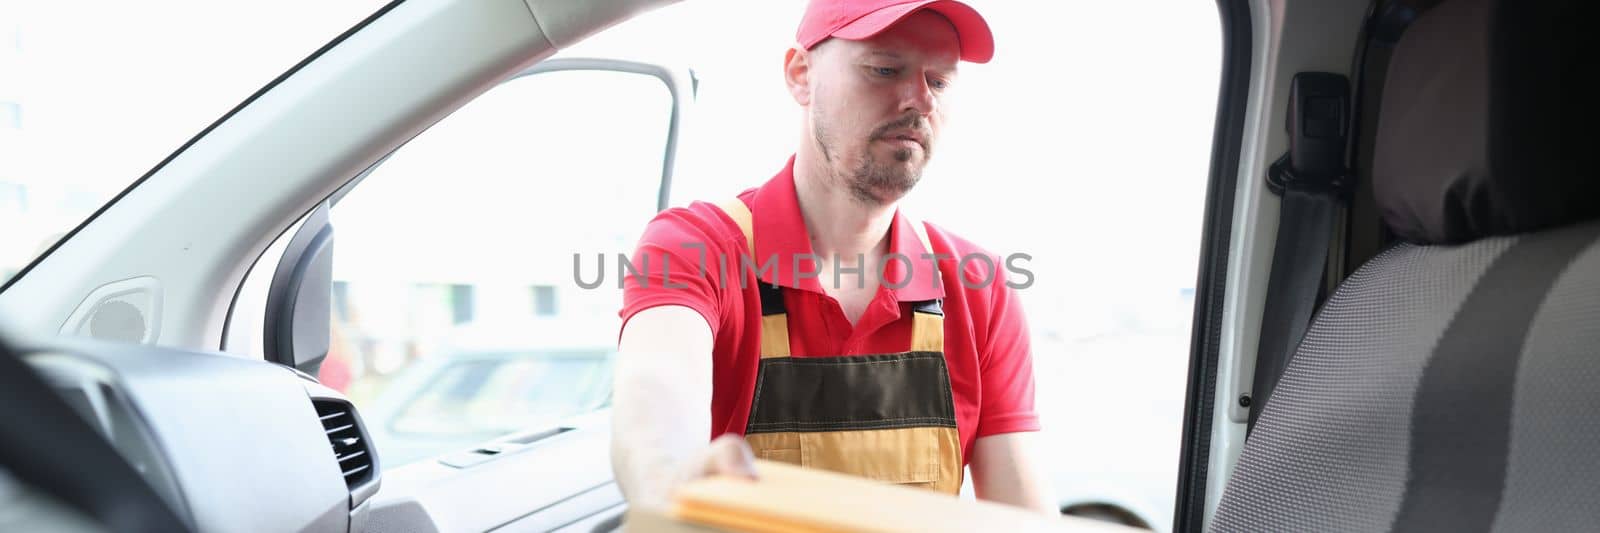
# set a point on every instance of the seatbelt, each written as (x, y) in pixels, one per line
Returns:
(1313, 182)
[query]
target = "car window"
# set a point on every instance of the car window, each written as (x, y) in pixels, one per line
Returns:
(88, 104)
(455, 315)
(1085, 145)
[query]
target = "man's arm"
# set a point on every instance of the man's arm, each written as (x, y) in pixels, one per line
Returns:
(1005, 467)
(1005, 470)
(662, 408)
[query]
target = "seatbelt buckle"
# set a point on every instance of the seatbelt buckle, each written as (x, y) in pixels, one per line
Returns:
(1318, 124)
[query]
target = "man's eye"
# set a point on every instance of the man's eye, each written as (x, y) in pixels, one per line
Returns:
(938, 83)
(885, 71)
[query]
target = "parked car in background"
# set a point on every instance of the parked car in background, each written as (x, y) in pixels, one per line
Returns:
(485, 383)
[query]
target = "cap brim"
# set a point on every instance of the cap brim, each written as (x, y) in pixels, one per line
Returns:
(977, 41)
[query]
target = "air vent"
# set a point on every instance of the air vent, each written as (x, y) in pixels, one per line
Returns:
(350, 446)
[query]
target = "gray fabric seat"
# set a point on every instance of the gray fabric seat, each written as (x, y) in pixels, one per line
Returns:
(1453, 382)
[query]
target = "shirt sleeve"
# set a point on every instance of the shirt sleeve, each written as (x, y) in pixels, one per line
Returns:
(674, 264)
(1006, 363)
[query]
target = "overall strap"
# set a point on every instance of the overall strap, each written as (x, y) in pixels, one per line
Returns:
(927, 329)
(774, 319)
(927, 326)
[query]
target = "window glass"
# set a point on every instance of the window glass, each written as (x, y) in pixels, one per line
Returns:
(95, 94)
(1085, 144)
(457, 318)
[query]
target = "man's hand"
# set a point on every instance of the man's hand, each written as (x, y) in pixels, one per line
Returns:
(728, 455)
(662, 413)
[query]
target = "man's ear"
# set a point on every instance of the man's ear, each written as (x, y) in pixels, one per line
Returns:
(797, 74)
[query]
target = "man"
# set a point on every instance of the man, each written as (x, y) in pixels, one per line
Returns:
(807, 320)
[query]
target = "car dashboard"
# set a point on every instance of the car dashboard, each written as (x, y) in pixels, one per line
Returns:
(231, 444)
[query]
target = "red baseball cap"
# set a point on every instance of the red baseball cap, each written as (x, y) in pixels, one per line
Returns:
(861, 19)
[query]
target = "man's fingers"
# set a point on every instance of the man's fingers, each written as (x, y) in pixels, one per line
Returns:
(731, 455)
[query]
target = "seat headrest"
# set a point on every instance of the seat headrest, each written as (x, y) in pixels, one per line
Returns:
(1481, 127)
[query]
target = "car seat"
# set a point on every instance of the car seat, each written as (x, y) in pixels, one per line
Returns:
(1452, 383)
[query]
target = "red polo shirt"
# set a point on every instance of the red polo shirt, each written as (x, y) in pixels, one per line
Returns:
(986, 335)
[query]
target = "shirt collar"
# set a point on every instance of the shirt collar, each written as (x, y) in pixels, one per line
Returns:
(781, 237)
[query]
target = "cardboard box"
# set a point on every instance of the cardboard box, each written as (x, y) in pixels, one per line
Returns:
(789, 499)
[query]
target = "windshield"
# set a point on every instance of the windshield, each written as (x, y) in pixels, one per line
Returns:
(93, 96)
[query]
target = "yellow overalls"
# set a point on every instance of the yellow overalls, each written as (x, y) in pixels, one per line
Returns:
(889, 417)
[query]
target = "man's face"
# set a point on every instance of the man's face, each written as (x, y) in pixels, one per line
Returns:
(875, 106)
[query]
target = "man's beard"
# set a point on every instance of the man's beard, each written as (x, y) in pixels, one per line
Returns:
(872, 182)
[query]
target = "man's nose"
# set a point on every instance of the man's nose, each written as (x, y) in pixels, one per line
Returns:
(917, 95)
